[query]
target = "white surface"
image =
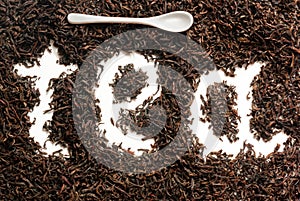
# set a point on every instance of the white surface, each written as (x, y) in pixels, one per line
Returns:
(242, 81)
(50, 69)
(110, 110)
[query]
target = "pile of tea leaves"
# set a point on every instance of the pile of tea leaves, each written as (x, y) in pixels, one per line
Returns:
(224, 120)
(234, 34)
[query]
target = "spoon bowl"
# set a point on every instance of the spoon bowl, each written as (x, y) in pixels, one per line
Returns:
(177, 21)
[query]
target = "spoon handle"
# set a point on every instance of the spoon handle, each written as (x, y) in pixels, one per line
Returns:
(77, 18)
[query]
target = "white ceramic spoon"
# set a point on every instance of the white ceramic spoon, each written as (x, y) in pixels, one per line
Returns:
(177, 21)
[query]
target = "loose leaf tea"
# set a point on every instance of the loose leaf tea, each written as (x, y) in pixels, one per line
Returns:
(233, 34)
(230, 113)
(276, 102)
(129, 85)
